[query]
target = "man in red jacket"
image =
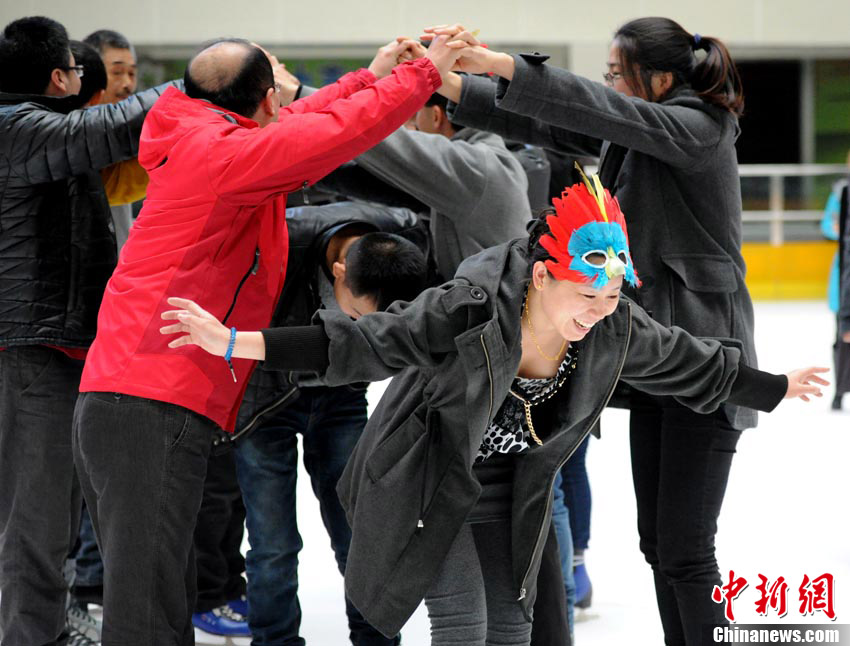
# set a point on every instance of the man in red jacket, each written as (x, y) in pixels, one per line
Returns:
(221, 158)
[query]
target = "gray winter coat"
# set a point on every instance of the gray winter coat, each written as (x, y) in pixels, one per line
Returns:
(456, 349)
(677, 182)
(475, 187)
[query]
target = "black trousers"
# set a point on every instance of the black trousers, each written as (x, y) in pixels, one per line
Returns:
(218, 536)
(40, 502)
(680, 467)
(550, 626)
(142, 465)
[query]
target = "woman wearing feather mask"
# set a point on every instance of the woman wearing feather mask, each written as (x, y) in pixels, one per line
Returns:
(664, 126)
(499, 376)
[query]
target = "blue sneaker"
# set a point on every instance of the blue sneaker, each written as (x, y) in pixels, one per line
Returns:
(584, 589)
(239, 606)
(221, 621)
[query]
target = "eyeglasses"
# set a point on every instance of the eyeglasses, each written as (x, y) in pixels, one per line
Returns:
(610, 77)
(77, 68)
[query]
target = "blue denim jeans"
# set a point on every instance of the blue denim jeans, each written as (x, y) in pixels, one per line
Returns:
(330, 421)
(576, 487)
(89, 565)
(561, 521)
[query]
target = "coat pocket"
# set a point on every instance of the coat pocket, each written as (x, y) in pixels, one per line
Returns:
(701, 293)
(398, 444)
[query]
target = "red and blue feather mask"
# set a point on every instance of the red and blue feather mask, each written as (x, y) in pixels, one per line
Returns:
(588, 241)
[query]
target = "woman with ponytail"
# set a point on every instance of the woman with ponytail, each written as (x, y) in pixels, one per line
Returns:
(664, 126)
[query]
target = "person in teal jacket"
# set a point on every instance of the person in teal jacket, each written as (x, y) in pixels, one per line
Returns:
(831, 228)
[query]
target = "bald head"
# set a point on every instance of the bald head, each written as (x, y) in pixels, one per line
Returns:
(232, 74)
(217, 66)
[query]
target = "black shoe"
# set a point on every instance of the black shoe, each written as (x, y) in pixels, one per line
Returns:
(89, 594)
(836, 403)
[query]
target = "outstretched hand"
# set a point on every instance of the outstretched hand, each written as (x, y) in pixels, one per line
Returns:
(805, 382)
(198, 327)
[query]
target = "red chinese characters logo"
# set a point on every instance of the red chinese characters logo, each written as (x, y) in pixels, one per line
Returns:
(817, 595)
(729, 592)
(773, 598)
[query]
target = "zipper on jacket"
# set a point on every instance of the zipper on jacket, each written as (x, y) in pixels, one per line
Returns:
(251, 272)
(490, 375)
(431, 435)
(249, 426)
(304, 195)
(539, 543)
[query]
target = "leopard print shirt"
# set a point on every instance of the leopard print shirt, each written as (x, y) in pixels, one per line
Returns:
(508, 432)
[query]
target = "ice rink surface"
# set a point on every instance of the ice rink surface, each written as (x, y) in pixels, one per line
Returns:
(784, 514)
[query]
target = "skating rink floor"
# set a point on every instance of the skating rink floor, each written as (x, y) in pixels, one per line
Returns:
(784, 513)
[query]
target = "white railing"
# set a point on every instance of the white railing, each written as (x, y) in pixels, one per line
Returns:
(776, 215)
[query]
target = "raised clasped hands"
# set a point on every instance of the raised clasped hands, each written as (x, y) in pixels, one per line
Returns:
(393, 53)
(473, 56)
(805, 383)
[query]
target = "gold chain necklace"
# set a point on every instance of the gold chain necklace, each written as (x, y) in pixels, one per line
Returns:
(557, 357)
(526, 404)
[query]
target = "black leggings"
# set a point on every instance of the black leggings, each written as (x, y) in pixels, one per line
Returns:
(680, 466)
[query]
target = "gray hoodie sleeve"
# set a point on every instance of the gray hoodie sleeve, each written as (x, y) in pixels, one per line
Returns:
(379, 345)
(449, 175)
(478, 109)
(677, 133)
(699, 373)
(420, 333)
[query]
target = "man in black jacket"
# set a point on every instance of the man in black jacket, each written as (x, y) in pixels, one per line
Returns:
(341, 256)
(56, 254)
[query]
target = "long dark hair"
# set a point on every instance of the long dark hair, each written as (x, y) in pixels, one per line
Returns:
(662, 45)
(537, 227)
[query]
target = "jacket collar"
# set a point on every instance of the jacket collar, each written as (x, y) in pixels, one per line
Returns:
(502, 272)
(63, 105)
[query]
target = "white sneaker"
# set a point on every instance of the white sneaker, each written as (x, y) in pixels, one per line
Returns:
(76, 638)
(82, 622)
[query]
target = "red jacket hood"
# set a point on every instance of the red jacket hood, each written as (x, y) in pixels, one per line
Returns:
(165, 124)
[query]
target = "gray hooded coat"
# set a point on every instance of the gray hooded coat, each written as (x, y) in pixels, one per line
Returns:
(674, 169)
(456, 349)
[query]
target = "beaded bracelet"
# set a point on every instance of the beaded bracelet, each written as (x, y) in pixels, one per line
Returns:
(229, 353)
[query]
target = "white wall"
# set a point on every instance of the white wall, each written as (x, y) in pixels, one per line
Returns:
(754, 27)
(742, 22)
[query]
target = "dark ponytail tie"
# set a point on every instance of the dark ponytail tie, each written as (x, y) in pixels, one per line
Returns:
(697, 39)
